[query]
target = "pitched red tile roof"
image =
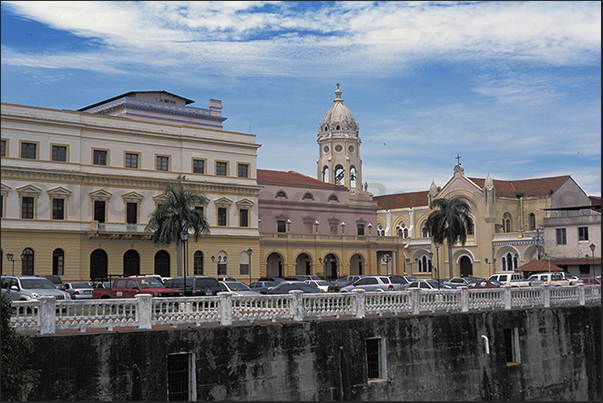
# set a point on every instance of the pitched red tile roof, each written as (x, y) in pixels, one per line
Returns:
(529, 187)
(292, 178)
(540, 265)
(402, 200)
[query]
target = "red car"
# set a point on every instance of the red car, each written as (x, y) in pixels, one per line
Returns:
(338, 285)
(485, 283)
(590, 281)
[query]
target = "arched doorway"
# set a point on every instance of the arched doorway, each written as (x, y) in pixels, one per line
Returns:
(99, 265)
(274, 265)
(131, 263)
(466, 267)
(356, 264)
(302, 264)
(331, 266)
(162, 263)
(27, 262)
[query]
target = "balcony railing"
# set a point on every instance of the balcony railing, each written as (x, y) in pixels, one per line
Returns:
(47, 315)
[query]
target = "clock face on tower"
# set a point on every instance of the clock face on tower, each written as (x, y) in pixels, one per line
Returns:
(351, 148)
(326, 149)
(338, 148)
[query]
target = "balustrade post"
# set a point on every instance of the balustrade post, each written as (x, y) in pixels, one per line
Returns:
(507, 296)
(47, 314)
(225, 308)
(546, 295)
(415, 301)
(359, 302)
(144, 311)
(464, 299)
(297, 305)
(581, 294)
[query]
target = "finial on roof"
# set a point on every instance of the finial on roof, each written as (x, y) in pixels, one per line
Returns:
(433, 189)
(489, 184)
(338, 95)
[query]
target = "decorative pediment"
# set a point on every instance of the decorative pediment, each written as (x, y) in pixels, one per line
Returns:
(59, 191)
(245, 203)
(5, 189)
(223, 202)
(29, 190)
(100, 194)
(160, 198)
(132, 196)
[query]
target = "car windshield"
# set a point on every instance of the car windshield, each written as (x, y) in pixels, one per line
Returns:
(237, 286)
(150, 283)
(37, 283)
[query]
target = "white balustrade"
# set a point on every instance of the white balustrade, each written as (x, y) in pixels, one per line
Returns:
(47, 315)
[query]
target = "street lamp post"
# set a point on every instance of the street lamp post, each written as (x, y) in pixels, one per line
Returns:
(387, 258)
(592, 249)
(10, 257)
(249, 252)
(438, 266)
(184, 237)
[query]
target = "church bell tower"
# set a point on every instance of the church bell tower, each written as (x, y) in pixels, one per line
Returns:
(339, 147)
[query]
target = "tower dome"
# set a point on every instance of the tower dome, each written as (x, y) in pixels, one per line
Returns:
(338, 118)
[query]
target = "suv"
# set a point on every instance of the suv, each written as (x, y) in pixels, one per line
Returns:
(377, 283)
(28, 288)
(196, 285)
(550, 278)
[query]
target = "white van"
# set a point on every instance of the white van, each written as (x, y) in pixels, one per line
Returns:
(513, 279)
(553, 278)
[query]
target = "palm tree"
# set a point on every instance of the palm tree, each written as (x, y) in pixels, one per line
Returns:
(449, 223)
(177, 214)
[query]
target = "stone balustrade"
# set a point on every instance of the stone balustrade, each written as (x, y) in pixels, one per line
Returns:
(48, 315)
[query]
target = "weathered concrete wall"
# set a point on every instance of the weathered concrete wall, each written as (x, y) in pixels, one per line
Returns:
(429, 357)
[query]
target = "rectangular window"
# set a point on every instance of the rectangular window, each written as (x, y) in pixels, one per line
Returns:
(59, 153)
(243, 217)
(29, 150)
(281, 226)
(375, 359)
(512, 346)
(243, 171)
(27, 207)
(131, 160)
(582, 233)
(244, 269)
(360, 229)
(131, 213)
(222, 168)
(3, 148)
(58, 209)
(200, 210)
(561, 239)
(99, 210)
(100, 157)
(181, 377)
(163, 163)
(222, 216)
(199, 166)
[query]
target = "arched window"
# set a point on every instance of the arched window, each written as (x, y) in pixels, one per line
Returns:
(339, 175)
(402, 230)
(281, 193)
(508, 262)
(198, 263)
(58, 262)
(162, 263)
(425, 232)
(244, 263)
(470, 227)
(333, 198)
(532, 220)
(99, 265)
(325, 174)
(424, 264)
(380, 230)
(506, 223)
(131, 263)
(27, 262)
(353, 177)
(308, 196)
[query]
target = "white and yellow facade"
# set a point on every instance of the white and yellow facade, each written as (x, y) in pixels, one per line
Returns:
(78, 187)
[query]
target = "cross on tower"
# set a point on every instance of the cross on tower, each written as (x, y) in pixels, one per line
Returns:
(458, 159)
(337, 85)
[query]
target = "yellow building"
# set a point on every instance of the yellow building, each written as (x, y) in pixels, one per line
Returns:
(78, 187)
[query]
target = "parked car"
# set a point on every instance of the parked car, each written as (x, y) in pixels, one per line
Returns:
(56, 280)
(403, 280)
(301, 277)
(459, 281)
(322, 284)
(571, 278)
(590, 281)
(514, 279)
(275, 279)
(375, 283)
(485, 283)
(339, 284)
(429, 285)
(261, 286)
(354, 277)
(195, 285)
(236, 287)
(226, 279)
(286, 286)
(553, 278)
(81, 290)
(27, 288)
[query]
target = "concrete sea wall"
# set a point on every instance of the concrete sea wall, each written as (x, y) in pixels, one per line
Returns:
(518, 354)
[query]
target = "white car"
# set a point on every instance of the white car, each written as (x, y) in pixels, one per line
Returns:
(322, 284)
(236, 287)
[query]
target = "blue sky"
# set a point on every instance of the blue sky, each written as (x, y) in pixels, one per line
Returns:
(512, 87)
